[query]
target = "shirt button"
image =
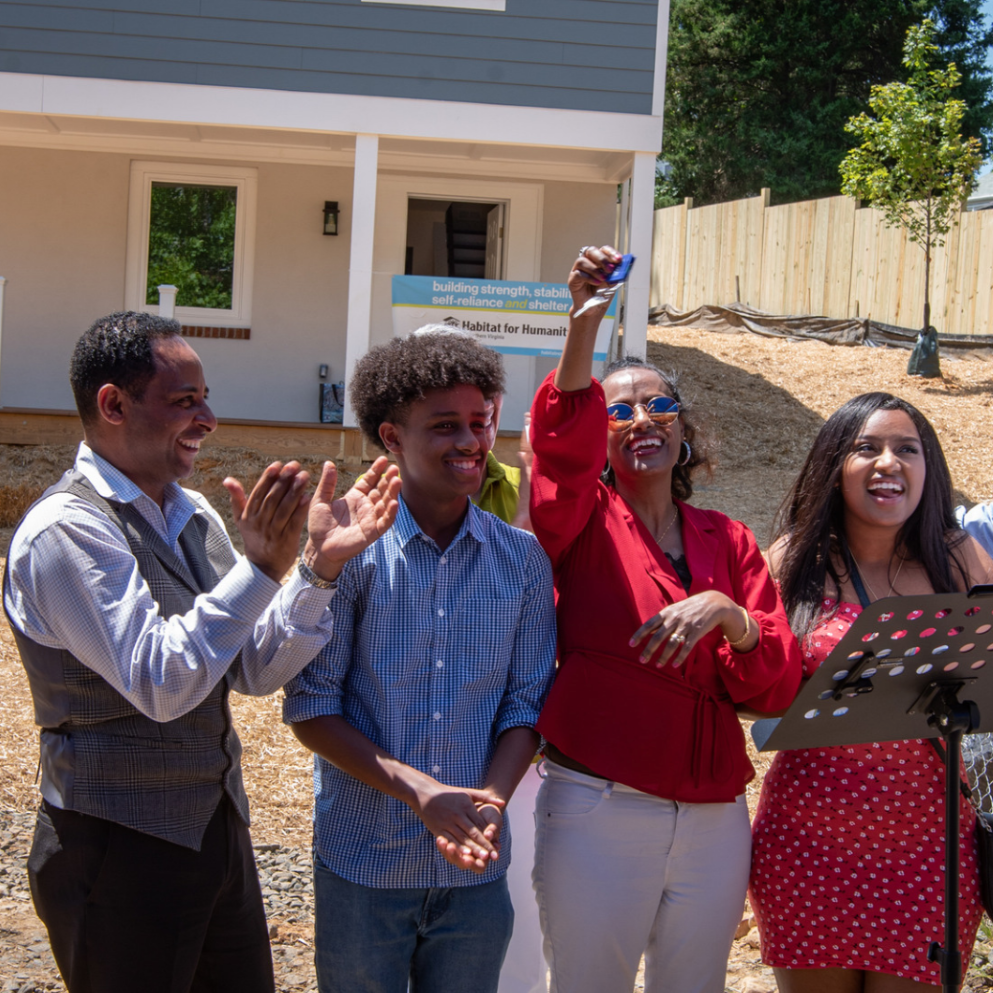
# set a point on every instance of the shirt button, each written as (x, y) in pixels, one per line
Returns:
(436, 768)
(437, 716)
(444, 559)
(441, 611)
(440, 664)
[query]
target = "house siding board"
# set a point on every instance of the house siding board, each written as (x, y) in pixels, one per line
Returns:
(335, 41)
(585, 23)
(23, 15)
(423, 89)
(114, 46)
(569, 54)
(53, 64)
(572, 13)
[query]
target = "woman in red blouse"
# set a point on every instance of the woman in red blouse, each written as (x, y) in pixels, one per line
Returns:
(668, 620)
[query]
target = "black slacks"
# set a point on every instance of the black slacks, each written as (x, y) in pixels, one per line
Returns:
(128, 912)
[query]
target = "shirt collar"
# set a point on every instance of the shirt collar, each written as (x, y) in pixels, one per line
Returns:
(406, 528)
(112, 484)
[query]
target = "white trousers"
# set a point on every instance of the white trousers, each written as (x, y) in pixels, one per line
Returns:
(524, 968)
(619, 873)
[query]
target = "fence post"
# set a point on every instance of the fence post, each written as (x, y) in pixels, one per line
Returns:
(167, 301)
(682, 250)
(766, 195)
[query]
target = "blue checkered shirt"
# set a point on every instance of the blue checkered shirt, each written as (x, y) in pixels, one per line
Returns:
(434, 655)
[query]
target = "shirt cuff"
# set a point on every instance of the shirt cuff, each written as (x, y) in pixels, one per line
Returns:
(519, 716)
(245, 591)
(731, 657)
(299, 707)
(304, 605)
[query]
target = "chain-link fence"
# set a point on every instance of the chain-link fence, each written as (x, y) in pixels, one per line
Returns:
(977, 753)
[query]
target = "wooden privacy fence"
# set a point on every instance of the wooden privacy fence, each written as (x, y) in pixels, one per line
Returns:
(826, 257)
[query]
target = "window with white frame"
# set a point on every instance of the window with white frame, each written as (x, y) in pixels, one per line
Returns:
(192, 227)
(463, 4)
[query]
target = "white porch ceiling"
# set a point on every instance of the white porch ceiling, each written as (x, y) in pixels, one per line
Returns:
(310, 147)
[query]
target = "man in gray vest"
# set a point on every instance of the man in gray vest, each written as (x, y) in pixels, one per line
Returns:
(135, 617)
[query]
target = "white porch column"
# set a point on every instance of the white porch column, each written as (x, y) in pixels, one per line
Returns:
(640, 245)
(624, 216)
(363, 223)
(2, 283)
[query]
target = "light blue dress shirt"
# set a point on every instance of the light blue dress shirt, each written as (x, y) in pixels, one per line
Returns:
(75, 585)
(979, 523)
(434, 655)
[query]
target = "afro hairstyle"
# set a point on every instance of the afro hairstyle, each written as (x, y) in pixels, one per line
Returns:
(390, 377)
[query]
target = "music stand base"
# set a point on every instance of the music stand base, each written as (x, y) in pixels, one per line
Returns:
(952, 718)
(951, 967)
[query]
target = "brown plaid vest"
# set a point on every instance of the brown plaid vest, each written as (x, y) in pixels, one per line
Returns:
(102, 756)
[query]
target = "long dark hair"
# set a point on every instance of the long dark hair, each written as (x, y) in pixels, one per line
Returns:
(682, 482)
(812, 521)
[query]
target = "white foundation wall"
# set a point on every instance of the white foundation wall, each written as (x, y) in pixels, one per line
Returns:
(63, 226)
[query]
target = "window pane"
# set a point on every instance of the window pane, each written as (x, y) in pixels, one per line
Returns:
(191, 244)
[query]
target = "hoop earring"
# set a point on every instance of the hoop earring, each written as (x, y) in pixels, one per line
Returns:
(689, 452)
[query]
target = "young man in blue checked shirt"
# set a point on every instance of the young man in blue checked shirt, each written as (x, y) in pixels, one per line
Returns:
(421, 708)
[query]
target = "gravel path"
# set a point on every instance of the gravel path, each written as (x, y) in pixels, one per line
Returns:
(26, 963)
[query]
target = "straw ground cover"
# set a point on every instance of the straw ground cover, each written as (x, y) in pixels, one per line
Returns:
(761, 402)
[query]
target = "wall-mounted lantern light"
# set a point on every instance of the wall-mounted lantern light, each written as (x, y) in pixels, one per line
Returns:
(330, 216)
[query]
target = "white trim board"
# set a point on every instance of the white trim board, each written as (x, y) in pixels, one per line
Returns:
(460, 4)
(661, 59)
(609, 167)
(386, 116)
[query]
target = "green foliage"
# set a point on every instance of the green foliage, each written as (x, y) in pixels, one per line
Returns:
(912, 161)
(758, 91)
(665, 195)
(191, 244)
(963, 37)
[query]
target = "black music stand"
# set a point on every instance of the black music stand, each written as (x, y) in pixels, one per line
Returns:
(901, 672)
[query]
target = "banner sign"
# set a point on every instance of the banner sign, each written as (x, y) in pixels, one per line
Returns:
(513, 318)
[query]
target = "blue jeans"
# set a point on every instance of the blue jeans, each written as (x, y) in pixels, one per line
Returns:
(371, 940)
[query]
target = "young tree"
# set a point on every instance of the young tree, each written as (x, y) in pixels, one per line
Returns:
(912, 161)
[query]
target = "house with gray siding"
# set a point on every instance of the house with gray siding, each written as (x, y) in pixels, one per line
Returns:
(518, 119)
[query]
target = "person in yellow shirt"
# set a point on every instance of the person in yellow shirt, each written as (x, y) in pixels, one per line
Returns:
(506, 488)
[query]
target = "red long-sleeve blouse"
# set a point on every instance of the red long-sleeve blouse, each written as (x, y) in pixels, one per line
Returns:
(670, 732)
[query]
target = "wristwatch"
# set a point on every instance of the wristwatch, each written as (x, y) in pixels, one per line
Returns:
(315, 580)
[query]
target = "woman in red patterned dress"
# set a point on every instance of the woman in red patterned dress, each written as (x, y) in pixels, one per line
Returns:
(847, 875)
